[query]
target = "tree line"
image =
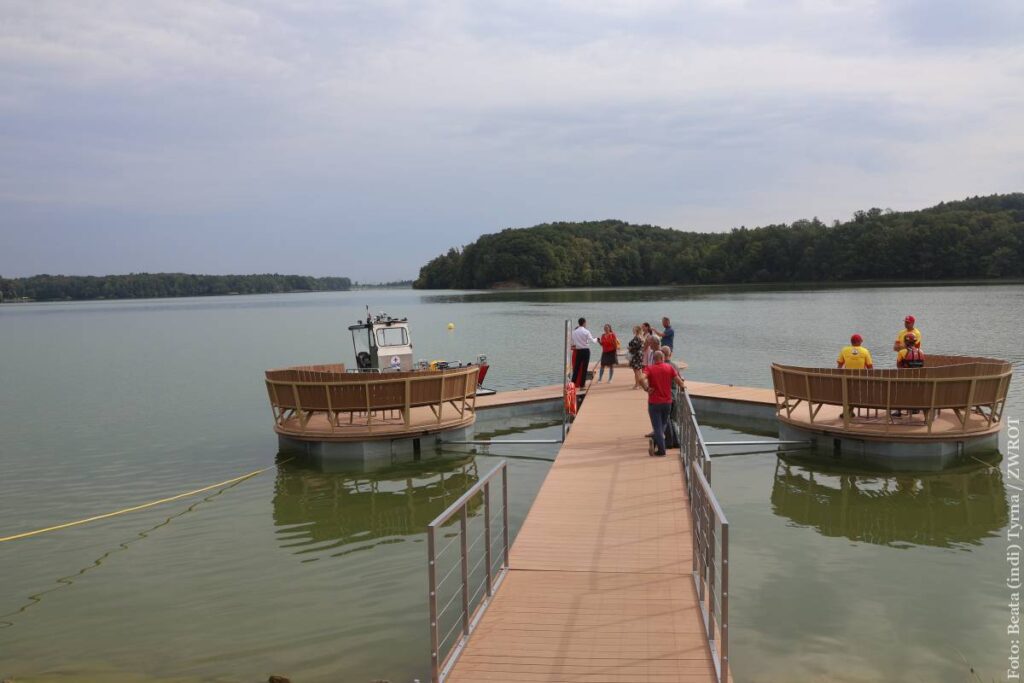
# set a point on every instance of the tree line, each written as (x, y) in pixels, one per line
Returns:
(152, 285)
(979, 237)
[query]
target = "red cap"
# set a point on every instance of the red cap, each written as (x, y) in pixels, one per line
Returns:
(856, 339)
(909, 319)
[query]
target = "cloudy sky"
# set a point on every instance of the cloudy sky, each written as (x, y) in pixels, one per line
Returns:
(361, 138)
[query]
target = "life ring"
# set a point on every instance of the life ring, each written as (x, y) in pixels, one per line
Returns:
(570, 398)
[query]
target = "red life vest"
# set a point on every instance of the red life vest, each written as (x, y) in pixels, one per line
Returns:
(912, 359)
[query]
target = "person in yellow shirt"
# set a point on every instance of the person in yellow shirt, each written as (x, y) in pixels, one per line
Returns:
(908, 328)
(855, 356)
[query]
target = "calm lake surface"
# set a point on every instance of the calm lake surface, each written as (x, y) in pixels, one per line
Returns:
(836, 575)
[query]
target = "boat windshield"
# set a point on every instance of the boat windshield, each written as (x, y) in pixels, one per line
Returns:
(392, 336)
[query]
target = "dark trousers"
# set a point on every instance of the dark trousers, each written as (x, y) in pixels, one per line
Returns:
(580, 361)
(659, 413)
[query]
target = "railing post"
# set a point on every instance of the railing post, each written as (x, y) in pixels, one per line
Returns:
(435, 645)
(487, 536)
(407, 412)
(694, 530)
(504, 511)
(970, 404)
(723, 646)
(464, 548)
(711, 577)
(846, 401)
(565, 382)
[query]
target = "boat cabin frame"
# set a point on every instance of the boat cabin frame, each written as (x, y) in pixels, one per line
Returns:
(382, 343)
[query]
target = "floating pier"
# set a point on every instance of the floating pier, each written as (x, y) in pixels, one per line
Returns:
(600, 585)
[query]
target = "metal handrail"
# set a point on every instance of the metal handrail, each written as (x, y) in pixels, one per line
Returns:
(710, 534)
(442, 663)
(692, 445)
(709, 546)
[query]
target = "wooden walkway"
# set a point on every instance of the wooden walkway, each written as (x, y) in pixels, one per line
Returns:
(599, 589)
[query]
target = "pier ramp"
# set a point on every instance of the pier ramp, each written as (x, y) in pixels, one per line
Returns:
(600, 587)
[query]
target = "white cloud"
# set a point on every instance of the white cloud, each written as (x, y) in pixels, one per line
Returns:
(701, 114)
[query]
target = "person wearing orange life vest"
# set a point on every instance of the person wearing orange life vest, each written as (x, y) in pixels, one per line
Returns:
(910, 355)
(855, 356)
(908, 328)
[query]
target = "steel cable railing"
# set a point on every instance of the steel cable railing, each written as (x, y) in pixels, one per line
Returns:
(476, 588)
(710, 534)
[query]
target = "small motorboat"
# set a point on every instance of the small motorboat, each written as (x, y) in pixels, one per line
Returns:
(382, 343)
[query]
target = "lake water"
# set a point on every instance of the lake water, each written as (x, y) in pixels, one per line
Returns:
(839, 576)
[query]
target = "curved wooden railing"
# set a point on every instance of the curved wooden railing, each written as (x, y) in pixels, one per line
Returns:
(299, 393)
(966, 385)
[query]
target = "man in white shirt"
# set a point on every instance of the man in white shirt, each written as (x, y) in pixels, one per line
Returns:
(581, 339)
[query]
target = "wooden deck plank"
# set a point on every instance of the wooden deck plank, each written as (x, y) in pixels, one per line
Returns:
(509, 397)
(599, 589)
(730, 392)
(904, 429)
(384, 425)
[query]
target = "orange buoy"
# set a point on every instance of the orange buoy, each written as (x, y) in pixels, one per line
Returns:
(570, 398)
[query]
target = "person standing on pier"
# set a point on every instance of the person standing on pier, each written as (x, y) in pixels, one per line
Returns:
(658, 380)
(855, 356)
(609, 353)
(636, 349)
(908, 328)
(581, 341)
(649, 350)
(668, 336)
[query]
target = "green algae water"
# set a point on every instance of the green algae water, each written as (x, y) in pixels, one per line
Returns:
(320, 574)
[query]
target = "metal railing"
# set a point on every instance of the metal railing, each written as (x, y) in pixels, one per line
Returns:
(710, 533)
(486, 573)
(691, 442)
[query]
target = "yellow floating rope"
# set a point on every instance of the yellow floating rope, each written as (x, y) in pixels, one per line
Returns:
(135, 508)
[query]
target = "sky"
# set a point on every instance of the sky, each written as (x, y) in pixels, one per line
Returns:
(331, 137)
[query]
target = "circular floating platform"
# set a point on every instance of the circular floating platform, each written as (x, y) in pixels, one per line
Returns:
(324, 410)
(923, 418)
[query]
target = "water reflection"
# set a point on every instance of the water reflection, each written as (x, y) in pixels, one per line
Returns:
(328, 513)
(565, 296)
(946, 510)
(632, 294)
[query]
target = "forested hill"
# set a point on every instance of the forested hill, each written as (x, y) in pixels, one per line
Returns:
(980, 237)
(150, 285)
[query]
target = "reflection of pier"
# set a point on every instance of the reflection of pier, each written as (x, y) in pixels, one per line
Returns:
(942, 510)
(319, 512)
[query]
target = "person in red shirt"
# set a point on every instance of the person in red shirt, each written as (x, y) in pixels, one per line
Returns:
(609, 352)
(658, 380)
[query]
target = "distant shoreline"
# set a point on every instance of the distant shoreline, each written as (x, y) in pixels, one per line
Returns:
(749, 286)
(46, 287)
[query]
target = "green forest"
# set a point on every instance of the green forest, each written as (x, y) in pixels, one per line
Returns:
(979, 237)
(151, 285)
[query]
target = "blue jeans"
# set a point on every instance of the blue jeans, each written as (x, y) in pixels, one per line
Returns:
(659, 413)
(600, 373)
